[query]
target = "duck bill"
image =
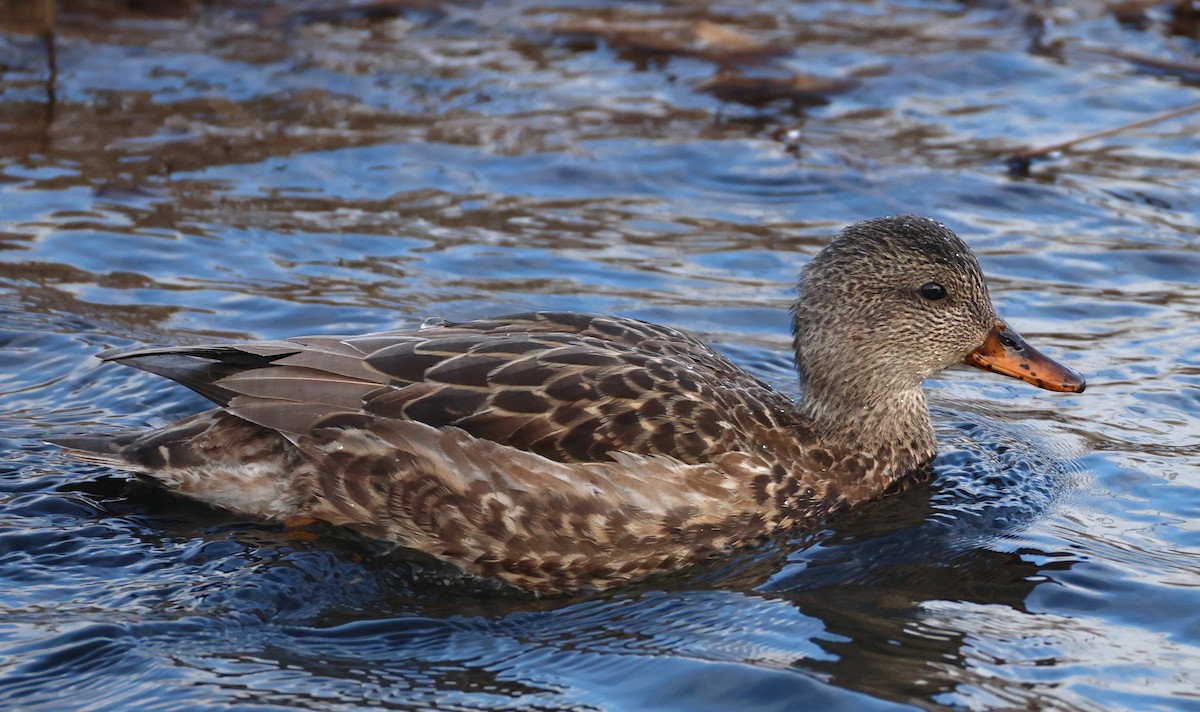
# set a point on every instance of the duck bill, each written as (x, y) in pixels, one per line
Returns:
(1006, 353)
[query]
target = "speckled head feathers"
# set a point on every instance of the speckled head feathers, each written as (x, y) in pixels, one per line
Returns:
(888, 303)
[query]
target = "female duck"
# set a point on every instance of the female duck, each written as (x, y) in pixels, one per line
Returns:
(561, 452)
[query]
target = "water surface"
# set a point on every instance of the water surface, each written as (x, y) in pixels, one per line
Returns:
(252, 170)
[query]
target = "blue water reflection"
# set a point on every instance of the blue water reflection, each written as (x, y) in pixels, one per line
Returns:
(256, 171)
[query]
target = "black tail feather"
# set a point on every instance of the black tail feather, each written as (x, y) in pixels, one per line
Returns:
(99, 444)
(198, 368)
(95, 449)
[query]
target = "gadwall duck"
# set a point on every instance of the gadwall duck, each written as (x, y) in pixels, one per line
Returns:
(563, 452)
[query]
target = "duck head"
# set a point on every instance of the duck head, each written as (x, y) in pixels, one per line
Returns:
(891, 302)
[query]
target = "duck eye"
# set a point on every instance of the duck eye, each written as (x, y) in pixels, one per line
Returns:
(933, 291)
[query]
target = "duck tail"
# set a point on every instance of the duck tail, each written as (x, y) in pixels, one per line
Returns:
(104, 450)
(213, 457)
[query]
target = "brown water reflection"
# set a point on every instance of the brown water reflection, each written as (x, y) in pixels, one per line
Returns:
(185, 171)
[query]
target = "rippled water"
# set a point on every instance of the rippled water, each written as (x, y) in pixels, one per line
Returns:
(256, 170)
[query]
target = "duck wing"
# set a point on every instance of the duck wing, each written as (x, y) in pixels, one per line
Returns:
(572, 387)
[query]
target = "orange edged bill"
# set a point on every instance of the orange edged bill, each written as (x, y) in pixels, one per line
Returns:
(1006, 353)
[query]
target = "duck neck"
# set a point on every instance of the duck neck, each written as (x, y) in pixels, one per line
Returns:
(855, 396)
(897, 419)
(889, 425)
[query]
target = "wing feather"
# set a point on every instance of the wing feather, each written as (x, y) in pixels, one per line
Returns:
(572, 387)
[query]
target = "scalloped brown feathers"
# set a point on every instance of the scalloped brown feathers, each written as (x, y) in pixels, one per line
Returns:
(556, 452)
(561, 452)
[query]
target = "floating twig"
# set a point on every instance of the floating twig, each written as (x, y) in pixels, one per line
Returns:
(1019, 161)
(1170, 66)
